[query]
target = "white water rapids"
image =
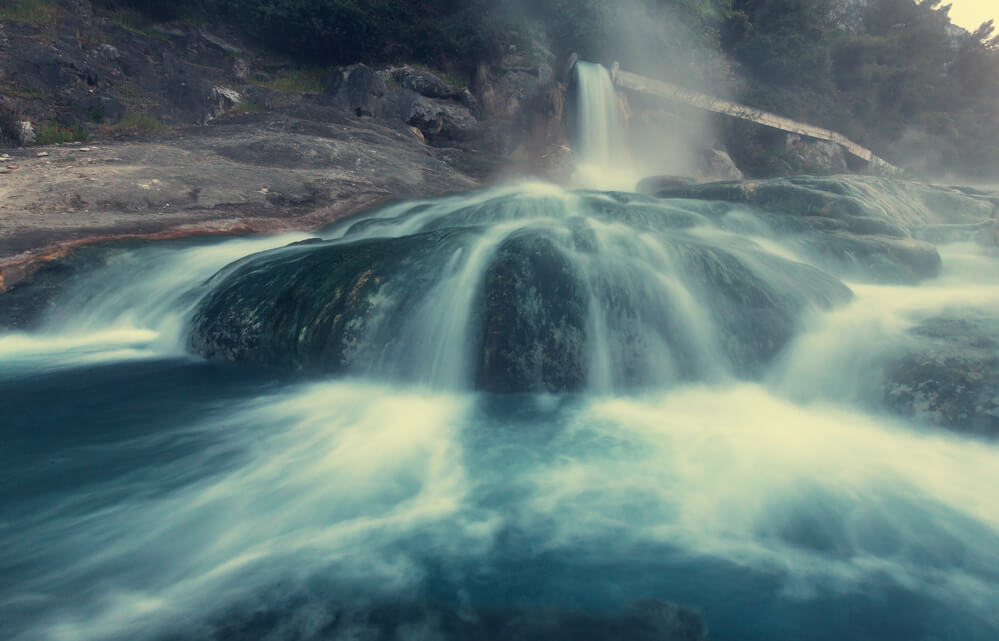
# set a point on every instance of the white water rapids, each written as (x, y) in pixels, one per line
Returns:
(148, 494)
(786, 485)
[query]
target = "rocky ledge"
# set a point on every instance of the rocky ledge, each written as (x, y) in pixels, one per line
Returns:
(297, 167)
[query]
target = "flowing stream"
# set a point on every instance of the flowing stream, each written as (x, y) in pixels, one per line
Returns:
(713, 436)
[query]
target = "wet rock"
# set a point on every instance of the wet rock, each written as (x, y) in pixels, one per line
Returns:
(654, 184)
(716, 164)
(310, 307)
(865, 226)
(534, 320)
(951, 376)
(817, 157)
(643, 621)
(336, 307)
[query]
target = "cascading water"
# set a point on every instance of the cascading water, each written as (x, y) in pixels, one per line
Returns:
(523, 407)
(601, 156)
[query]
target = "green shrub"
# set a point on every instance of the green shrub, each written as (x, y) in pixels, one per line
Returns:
(53, 133)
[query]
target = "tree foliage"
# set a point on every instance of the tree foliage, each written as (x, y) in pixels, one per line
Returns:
(895, 75)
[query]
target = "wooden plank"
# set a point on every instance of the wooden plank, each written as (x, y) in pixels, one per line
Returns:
(634, 82)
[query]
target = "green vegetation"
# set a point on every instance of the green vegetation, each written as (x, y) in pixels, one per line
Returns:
(249, 107)
(10, 89)
(53, 133)
(298, 80)
(892, 74)
(38, 12)
(140, 123)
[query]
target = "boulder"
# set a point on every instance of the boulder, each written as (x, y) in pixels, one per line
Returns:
(817, 157)
(441, 121)
(358, 89)
(201, 101)
(716, 164)
(25, 133)
(239, 70)
(348, 306)
(423, 82)
(311, 306)
(534, 307)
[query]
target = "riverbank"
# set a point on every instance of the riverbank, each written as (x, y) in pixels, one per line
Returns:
(297, 168)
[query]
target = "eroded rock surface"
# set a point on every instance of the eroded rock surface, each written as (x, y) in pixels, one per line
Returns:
(298, 167)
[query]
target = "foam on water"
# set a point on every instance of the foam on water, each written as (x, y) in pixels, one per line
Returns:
(720, 494)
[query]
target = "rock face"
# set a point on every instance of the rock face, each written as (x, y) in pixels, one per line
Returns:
(59, 76)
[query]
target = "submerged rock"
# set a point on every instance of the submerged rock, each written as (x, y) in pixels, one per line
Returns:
(643, 621)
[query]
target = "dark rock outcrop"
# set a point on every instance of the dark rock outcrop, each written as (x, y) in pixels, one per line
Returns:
(358, 89)
(951, 377)
(439, 120)
(310, 307)
(423, 82)
(534, 312)
(350, 306)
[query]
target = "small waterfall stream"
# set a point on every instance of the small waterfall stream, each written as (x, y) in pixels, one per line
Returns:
(602, 160)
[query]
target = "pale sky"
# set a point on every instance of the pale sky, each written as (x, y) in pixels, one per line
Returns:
(970, 14)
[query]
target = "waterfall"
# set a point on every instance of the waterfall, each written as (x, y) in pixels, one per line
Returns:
(601, 160)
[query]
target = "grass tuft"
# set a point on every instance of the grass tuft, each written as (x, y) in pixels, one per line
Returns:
(37, 12)
(297, 80)
(140, 123)
(10, 89)
(53, 133)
